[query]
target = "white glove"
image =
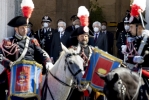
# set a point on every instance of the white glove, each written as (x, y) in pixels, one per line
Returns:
(130, 39)
(145, 33)
(49, 65)
(138, 59)
(124, 47)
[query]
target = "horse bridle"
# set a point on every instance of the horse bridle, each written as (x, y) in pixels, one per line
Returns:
(45, 86)
(122, 89)
(68, 56)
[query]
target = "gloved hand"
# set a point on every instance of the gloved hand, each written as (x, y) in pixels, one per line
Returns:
(138, 59)
(145, 32)
(49, 65)
(130, 39)
(124, 47)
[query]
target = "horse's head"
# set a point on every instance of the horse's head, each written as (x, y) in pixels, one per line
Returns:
(73, 65)
(115, 88)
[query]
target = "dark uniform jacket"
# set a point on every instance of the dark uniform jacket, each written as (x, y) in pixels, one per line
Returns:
(101, 42)
(121, 41)
(56, 48)
(137, 43)
(70, 28)
(45, 39)
(110, 39)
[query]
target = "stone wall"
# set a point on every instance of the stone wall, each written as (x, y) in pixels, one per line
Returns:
(7, 12)
(56, 9)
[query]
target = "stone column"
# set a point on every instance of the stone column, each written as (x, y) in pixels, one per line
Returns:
(6, 13)
(147, 14)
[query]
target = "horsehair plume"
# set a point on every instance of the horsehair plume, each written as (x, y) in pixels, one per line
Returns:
(137, 7)
(83, 14)
(27, 7)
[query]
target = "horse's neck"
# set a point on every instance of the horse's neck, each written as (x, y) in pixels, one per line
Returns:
(59, 71)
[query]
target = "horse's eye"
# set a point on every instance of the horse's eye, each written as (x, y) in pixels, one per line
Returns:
(70, 62)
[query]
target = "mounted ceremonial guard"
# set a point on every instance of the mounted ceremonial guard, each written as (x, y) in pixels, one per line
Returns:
(18, 55)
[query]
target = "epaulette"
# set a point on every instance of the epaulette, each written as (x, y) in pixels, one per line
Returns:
(34, 41)
(7, 41)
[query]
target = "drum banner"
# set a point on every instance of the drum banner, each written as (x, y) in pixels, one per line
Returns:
(25, 80)
(22, 79)
(99, 62)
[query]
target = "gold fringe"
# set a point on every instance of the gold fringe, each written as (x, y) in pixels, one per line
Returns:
(29, 62)
(103, 53)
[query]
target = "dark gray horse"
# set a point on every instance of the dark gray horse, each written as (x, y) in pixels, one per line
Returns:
(124, 84)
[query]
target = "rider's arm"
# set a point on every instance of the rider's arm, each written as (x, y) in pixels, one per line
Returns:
(42, 54)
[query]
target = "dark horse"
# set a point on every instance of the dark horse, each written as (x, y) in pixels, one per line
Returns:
(124, 84)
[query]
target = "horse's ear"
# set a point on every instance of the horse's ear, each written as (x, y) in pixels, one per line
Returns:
(64, 48)
(102, 76)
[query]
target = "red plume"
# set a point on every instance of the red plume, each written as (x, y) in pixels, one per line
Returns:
(137, 7)
(27, 8)
(84, 20)
(83, 14)
(135, 10)
(27, 11)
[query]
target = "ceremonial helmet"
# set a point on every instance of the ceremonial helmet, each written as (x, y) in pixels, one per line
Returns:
(74, 17)
(46, 19)
(18, 21)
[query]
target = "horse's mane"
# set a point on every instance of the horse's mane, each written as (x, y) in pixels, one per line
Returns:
(129, 78)
(127, 72)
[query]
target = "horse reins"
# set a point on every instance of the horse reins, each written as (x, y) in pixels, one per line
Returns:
(45, 86)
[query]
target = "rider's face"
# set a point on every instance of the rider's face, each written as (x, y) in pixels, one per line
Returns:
(83, 39)
(132, 29)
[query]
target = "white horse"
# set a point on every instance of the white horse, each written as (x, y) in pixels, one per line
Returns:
(68, 69)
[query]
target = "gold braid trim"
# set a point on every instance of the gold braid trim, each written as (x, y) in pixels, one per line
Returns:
(27, 95)
(108, 55)
(29, 62)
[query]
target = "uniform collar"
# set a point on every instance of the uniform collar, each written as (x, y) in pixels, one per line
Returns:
(19, 36)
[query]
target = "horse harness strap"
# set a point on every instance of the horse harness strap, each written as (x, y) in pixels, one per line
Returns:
(60, 80)
(44, 89)
(69, 55)
(73, 73)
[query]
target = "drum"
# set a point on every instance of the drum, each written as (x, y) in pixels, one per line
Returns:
(25, 79)
(102, 62)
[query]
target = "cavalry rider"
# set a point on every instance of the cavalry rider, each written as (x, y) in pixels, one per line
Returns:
(82, 34)
(136, 29)
(20, 47)
(140, 54)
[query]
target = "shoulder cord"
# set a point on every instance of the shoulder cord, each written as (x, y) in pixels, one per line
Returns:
(24, 51)
(13, 46)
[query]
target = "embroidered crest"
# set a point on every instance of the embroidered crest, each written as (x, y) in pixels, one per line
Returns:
(46, 17)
